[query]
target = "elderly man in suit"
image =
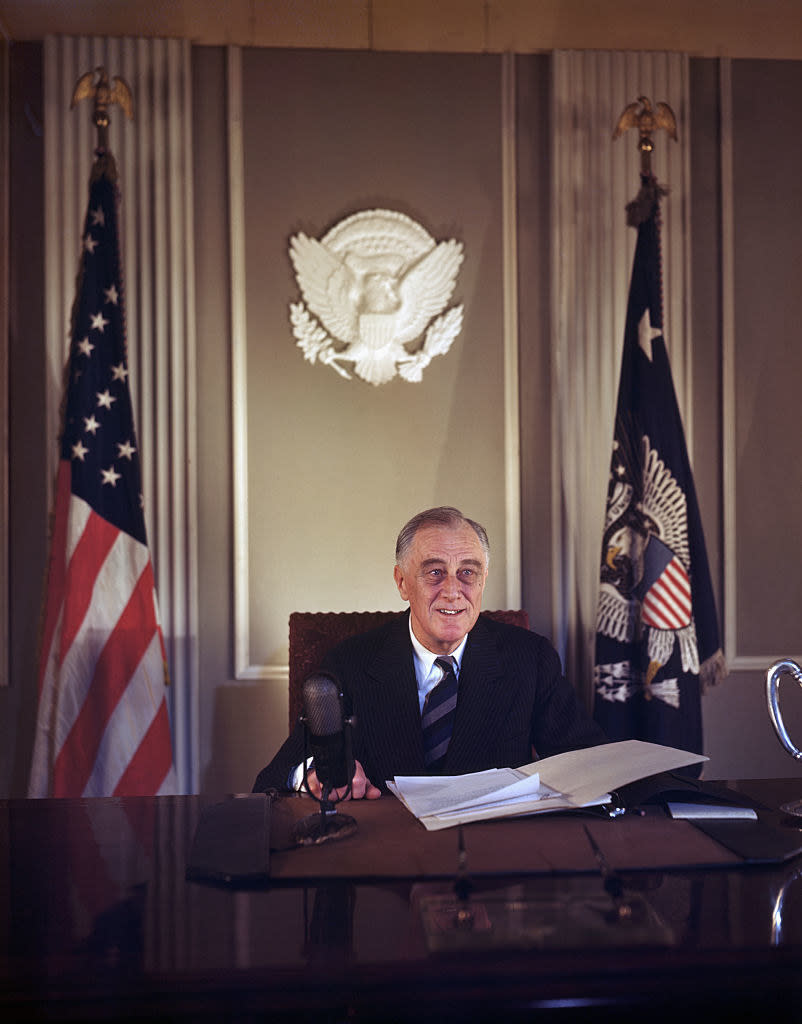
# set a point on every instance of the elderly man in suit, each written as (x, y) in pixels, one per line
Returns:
(440, 689)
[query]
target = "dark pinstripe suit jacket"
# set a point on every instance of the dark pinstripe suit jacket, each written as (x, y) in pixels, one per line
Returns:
(513, 699)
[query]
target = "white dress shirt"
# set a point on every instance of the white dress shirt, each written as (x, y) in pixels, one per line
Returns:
(427, 673)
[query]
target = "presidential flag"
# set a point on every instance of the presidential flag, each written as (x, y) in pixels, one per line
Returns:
(657, 640)
(102, 727)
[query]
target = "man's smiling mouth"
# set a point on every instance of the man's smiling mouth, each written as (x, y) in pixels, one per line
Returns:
(450, 611)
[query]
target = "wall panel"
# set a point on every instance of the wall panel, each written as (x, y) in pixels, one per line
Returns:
(764, 590)
(760, 369)
(334, 467)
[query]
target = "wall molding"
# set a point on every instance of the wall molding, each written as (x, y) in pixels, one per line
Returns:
(244, 667)
(736, 661)
(5, 188)
(512, 411)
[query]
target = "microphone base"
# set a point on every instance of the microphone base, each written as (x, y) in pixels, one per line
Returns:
(321, 828)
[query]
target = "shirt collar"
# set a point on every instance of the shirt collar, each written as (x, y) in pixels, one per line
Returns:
(425, 658)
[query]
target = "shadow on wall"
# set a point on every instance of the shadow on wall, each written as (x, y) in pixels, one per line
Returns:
(248, 726)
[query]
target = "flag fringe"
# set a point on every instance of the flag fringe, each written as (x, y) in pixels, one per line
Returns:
(713, 671)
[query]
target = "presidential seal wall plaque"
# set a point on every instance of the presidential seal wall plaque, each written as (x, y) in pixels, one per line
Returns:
(375, 290)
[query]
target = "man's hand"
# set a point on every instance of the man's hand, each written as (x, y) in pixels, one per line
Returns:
(361, 787)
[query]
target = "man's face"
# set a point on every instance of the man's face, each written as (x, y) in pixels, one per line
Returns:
(443, 577)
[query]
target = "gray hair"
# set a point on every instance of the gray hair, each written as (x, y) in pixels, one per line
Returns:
(445, 515)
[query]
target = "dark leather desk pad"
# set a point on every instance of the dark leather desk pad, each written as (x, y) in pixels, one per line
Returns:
(391, 843)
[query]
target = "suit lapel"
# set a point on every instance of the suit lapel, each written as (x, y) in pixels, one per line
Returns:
(390, 714)
(392, 703)
(479, 704)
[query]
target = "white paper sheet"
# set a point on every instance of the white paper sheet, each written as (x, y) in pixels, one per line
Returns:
(430, 794)
(583, 774)
(575, 779)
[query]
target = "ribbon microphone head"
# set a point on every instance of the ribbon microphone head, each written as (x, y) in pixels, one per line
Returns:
(323, 717)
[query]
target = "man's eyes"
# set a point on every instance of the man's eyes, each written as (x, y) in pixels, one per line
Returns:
(465, 574)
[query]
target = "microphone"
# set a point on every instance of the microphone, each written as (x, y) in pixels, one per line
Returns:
(327, 734)
(323, 716)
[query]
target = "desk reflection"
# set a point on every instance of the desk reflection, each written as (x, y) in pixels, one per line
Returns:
(96, 890)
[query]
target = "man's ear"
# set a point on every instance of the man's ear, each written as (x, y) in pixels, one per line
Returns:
(398, 576)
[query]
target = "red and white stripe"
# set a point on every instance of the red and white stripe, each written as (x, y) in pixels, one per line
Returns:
(667, 604)
(103, 726)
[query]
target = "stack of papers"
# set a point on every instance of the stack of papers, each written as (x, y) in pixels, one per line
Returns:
(440, 801)
(575, 779)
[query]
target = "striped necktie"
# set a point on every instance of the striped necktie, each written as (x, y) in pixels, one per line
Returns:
(438, 714)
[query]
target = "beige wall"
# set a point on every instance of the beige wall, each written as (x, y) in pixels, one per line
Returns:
(767, 482)
(716, 28)
(759, 469)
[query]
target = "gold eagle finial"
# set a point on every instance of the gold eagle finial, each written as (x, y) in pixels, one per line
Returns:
(104, 94)
(647, 120)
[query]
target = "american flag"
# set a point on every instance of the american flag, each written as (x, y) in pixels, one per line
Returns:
(103, 727)
(657, 642)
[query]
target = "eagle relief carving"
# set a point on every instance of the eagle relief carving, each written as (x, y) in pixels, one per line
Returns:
(373, 287)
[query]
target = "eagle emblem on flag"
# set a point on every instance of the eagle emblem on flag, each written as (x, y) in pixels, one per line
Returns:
(645, 586)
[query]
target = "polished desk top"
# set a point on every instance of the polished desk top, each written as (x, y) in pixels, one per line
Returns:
(101, 921)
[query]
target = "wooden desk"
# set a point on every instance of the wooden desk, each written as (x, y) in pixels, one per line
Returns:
(101, 923)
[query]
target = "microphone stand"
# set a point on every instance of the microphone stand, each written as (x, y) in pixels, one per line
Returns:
(328, 824)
